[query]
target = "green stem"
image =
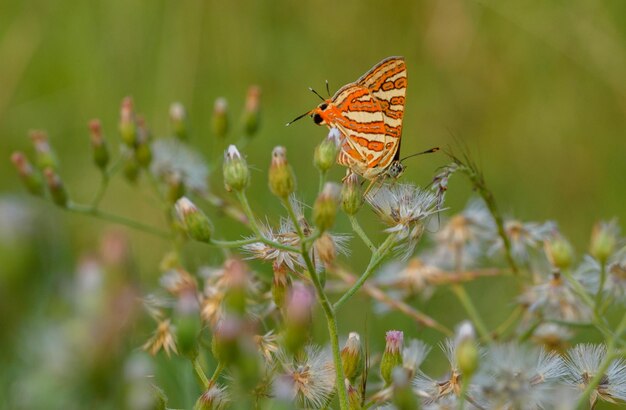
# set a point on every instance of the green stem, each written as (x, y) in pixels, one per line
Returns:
(322, 181)
(469, 307)
(503, 328)
(376, 259)
(204, 382)
(329, 312)
(359, 231)
(243, 199)
(216, 373)
(600, 287)
(96, 213)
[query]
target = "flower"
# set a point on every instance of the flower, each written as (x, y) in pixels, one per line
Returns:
(173, 159)
(432, 391)
(413, 356)
(411, 278)
(392, 355)
(555, 299)
(523, 237)
(311, 377)
(518, 376)
(583, 362)
(405, 208)
(163, 338)
(589, 273)
(267, 345)
(214, 398)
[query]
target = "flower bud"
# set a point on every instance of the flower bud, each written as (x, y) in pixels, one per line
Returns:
(326, 249)
(175, 187)
(56, 187)
(282, 181)
(326, 152)
(466, 350)
(251, 115)
(178, 119)
(298, 316)
(44, 155)
(128, 128)
(224, 345)
(196, 223)
(214, 398)
(131, 168)
(352, 357)
(351, 195)
(188, 324)
(392, 356)
(559, 251)
(354, 397)
(143, 149)
(29, 177)
(281, 285)
(325, 208)
(236, 279)
(220, 117)
(235, 170)
(98, 144)
(603, 240)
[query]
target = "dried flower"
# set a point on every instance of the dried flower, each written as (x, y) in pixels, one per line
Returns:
(553, 337)
(163, 338)
(583, 362)
(405, 208)
(434, 391)
(413, 356)
(214, 398)
(267, 345)
(311, 376)
(173, 159)
(523, 237)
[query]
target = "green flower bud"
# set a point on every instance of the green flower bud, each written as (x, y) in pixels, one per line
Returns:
(352, 357)
(326, 152)
(188, 324)
(235, 170)
(603, 240)
(196, 223)
(178, 119)
(559, 251)
(224, 345)
(220, 117)
(29, 177)
(392, 356)
(99, 145)
(282, 181)
(131, 168)
(325, 208)
(55, 187)
(236, 278)
(298, 316)
(44, 155)
(354, 397)
(351, 195)
(128, 127)
(251, 115)
(143, 149)
(466, 350)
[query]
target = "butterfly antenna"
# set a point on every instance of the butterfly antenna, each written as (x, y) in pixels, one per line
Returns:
(327, 89)
(316, 93)
(297, 118)
(428, 151)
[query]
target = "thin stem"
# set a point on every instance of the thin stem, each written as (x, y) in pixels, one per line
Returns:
(322, 181)
(216, 373)
(502, 329)
(469, 307)
(96, 213)
(599, 294)
(359, 231)
(104, 183)
(376, 259)
(329, 312)
(204, 382)
(243, 199)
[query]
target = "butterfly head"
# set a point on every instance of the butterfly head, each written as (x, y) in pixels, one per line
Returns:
(396, 169)
(320, 114)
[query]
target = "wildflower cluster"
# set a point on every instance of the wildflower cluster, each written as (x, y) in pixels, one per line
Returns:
(252, 317)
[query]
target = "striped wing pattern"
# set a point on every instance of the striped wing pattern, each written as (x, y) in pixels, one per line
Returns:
(371, 110)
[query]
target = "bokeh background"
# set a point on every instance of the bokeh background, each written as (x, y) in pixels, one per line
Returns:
(534, 89)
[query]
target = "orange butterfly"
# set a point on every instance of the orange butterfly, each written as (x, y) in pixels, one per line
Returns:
(369, 114)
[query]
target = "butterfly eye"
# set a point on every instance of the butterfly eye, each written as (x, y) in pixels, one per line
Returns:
(317, 119)
(323, 106)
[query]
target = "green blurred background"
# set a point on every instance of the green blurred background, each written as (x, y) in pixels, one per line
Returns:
(535, 90)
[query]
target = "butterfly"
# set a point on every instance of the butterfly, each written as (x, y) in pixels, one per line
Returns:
(368, 113)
